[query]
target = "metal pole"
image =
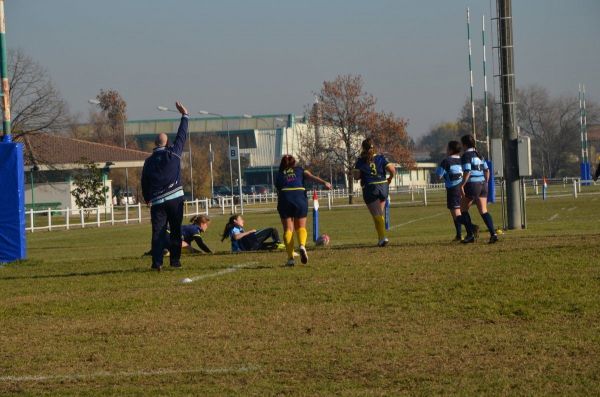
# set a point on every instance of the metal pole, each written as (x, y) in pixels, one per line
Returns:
(191, 167)
(32, 196)
(485, 91)
(126, 169)
(229, 156)
(510, 136)
(471, 75)
(4, 75)
(212, 181)
(240, 175)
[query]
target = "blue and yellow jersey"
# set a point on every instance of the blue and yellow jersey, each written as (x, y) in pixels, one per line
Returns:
(451, 170)
(290, 180)
(188, 232)
(474, 165)
(372, 172)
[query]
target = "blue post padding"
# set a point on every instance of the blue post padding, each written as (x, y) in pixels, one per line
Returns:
(12, 203)
(586, 173)
(387, 213)
(315, 225)
(491, 197)
(544, 192)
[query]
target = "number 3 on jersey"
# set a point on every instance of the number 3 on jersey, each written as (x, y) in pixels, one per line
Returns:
(373, 168)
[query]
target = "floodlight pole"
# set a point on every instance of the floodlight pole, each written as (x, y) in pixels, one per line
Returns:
(510, 134)
(4, 75)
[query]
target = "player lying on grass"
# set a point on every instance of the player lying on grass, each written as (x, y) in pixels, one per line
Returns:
(292, 204)
(189, 234)
(252, 240)
(371, 169)
(450, 169)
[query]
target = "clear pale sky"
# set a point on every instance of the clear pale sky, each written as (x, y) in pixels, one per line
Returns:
(268, 56)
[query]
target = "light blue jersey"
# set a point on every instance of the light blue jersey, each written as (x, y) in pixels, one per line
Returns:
(451, 170)
(474, 165)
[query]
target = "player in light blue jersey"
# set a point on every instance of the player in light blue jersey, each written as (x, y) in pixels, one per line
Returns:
(450, 170)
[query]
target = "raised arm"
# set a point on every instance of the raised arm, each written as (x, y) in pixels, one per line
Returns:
(308, 175)
(182, 131)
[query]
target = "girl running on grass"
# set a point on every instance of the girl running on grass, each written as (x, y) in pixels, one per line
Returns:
(450, 170)
(371, 169)
(251, 240)
(292, 204)
(474, 189)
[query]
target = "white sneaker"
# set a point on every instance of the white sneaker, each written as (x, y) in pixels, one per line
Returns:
(303, 255)
(290, 263)
(383, 242)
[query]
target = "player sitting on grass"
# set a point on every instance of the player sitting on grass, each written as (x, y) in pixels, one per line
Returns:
(190, 233)
(252, 240)
(450, 169)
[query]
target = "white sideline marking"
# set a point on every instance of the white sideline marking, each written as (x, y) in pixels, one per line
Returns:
(103, 374)
(416, 220)
(231, 269)
(553, 217)
(571, 209)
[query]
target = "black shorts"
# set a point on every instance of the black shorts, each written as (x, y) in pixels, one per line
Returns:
(376, 191)
(453, 197)
(475, 190)
(292, 205)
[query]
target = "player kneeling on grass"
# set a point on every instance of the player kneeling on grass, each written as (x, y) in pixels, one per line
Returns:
(189, 234)
(292, 204)
(450, 169)
(474, 189)
(371, 169)
(252, 240)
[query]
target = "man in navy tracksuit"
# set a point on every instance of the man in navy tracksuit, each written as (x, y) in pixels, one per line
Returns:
(162, 191)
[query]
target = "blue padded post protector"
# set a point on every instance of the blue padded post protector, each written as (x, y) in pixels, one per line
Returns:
(12, 202)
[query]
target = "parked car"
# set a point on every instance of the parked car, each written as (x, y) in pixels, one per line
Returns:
(221, 190)
(260, 189)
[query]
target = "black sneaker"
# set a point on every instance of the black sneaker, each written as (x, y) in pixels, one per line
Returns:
(176, 265)
(155, 267)
(457, 239)
(493, 239)
(468, 240)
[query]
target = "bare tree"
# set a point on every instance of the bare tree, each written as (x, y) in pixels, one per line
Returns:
(389, 135)
(345, 111)
(553, 125)
(108, 126)
(36, 105)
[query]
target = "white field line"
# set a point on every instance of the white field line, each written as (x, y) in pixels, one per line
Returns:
(416, 220)
(103, 374)
(553, 217)
(231, 269)
(571, 209)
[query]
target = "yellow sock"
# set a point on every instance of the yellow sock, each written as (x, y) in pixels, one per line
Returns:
(288, 240)
(302, 234)
(379, 225)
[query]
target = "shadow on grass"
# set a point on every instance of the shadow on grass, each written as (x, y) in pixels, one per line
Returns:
(76, 274)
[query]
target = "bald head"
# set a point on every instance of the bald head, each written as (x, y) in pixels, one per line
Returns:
(161, 140)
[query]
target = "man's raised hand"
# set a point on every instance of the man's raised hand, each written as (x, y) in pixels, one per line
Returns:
(181, 108)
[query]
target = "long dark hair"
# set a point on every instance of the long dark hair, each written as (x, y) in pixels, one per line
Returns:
(287, 161)
(230, 224)
(454, 147)
(368, 150)
(469, 142)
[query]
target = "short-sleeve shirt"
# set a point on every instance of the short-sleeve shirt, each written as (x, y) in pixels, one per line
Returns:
(235, 244)
(290, 179)
(451, 170)
(474, 165)
(372, 172)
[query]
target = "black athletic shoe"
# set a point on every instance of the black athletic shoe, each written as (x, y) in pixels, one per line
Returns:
(493, 239)
(176, 265)
(154, 267)
(457, 238)
(468, 240)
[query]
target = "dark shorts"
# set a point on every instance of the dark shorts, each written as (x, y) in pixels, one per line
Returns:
(373, 192)
(453, 197)
(292, 205)
(474, 190)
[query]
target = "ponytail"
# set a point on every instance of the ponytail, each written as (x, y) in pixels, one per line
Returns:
(230, 224)
(368, 150)
(469, 142)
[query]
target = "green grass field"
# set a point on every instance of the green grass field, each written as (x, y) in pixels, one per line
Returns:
(85, 316)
